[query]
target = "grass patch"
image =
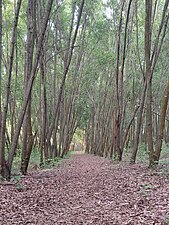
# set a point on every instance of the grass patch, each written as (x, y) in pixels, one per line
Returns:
(34, 163)
(143, 156)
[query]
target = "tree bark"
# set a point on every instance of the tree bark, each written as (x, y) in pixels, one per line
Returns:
(148, 76)
(29, 88)
(27, 126)
(2, 158)
(139, 123)
(4, 169)
(161, 125)
(65, 72)
(117, 112)
(43, 113)
(128, 127)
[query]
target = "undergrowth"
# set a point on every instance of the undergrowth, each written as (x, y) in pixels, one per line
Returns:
(34, 163)
(143, 156)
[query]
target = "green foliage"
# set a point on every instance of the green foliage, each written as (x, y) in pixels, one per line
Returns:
(148, 186)
(35, 163)
(164, 159)
(166, 220)
(68, 155)
(95, 76)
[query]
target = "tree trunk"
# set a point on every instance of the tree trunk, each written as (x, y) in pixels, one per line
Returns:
(161, 124)
(148, 76)
(4, 169)
(43, 113)
(27, 126)
(68, 58)
(2, 158)
(128, 128)
(29, 88)
(139, 123)
(117, 120)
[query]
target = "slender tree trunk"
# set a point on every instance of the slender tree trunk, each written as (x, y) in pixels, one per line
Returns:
(13, 109)
(43, 113)
(27, 126)
(139, 123)
(66, 69)
(155, 126)
(0, 62)
(29, 88)
(148, 76)
(2, 158)
(4, 169)
(117, 120)
(161, 124)
(128, 127)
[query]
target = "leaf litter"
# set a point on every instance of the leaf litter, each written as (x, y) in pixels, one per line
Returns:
(87, 189)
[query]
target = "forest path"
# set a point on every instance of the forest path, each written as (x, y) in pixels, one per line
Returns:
(87, 189)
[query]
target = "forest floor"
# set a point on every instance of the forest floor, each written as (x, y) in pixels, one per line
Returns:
(87, 189)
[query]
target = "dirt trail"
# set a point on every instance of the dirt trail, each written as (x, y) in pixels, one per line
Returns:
(87, 190)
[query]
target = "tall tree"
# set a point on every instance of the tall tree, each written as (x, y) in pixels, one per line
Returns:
(1, 151)
(161, 126)
(4, 168)
(67, 62)
(148, 77)
(29, 89)
(27, 126)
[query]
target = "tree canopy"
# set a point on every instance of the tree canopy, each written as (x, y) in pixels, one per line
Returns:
(93, 73)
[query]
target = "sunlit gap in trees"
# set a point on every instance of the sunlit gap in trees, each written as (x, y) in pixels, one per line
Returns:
(108, 10)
